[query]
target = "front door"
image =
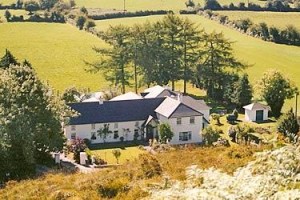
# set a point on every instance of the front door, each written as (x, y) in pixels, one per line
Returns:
(259, 115)
(149, 132)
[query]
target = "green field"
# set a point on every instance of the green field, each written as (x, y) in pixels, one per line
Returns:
(277, 19)
(57, 52)
(133, 5)
(127, 154)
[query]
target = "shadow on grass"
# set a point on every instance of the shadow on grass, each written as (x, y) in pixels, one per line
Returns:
(265, 121)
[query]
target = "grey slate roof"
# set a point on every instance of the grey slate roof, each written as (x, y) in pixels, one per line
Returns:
(114, 111)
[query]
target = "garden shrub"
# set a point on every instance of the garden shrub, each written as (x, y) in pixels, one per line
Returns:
(211, 135)
(150, 166)
(110, 188)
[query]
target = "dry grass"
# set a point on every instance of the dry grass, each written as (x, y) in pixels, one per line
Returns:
(128, 181)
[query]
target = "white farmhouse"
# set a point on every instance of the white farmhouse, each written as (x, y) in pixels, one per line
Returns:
(256, 112)
(139, 118)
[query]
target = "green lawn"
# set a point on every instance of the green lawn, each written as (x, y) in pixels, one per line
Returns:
(277, 19)
(127, 154)
(56, 51)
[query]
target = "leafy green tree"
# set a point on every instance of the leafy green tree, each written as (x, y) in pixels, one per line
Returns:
(7, 15)
(243, 24)
(117, 58)
(275, 88)
(48, 4)
(243, 92)
(288, 124)
(212, 5)
(80, 21)
(264, 31)
(211, 135)
(84, 10)
(190, 3)
(71, 95)
(31, 6)
(30, 121)
(89, 24)
(104, 131)
(165, 132)
(7, 60)
(217, 60)
(117, 154)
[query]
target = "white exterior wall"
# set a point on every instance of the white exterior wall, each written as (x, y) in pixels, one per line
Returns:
(185, 126)
(85, 130)
(250, 115)
(206, 114)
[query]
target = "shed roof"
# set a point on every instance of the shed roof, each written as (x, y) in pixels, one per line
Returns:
(256, 106)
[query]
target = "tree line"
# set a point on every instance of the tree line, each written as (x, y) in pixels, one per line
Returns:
(167, 51)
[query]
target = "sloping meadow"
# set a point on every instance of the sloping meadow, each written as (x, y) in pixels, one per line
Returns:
(272, 175)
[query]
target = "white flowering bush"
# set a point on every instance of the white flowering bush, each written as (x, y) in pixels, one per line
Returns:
(272, 175)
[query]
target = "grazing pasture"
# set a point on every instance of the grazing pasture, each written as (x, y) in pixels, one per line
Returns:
(277, 19)
(56, 51)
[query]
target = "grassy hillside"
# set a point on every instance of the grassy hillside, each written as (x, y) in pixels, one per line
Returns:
(131, 180)
(277, 19)
(57, 52)
(259, 54)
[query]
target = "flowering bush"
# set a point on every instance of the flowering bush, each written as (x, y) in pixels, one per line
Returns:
(272, 175)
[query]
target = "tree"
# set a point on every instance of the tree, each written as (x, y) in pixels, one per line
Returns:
(165, 132)
(7, 60)
(27, 63)
(172, 27)
(212, 5)
(7, 15)
(217, 65)
(117, 58)
(190, 3)
(211, 135)
(71, 95)
(80, 22)
(216, 117)
(242, 94)
(31, 6)
(83, 10)
(47, 4)
(89, 24)
(30, 121)
(104, 131)
(275, 88)
(288, 124)
(191, 39)
(117, 154)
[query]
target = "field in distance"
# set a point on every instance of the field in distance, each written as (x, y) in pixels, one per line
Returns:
(56, 51)
(277, 19)
(134, 5)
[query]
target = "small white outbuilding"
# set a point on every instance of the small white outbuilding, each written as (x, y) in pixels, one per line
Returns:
(256, 112)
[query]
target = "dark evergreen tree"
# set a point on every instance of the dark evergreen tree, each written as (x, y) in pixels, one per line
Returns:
(288, 124)
(7, 60)
(242, 93)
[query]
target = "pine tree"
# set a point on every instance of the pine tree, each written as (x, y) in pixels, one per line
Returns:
(7, 60)
(242, 94)
(288, 125)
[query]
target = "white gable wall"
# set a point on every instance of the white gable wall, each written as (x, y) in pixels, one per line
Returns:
(250, 115)
(185, 126)
(125, 129)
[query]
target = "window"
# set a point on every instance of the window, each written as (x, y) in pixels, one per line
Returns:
(93, 136)
(185, 136)
(93, 126)
(192, 120)
(136, 134)
(73, 136)
(178, 120)
(137, 124)
(116, 134)
(115, 125)
(73, 128)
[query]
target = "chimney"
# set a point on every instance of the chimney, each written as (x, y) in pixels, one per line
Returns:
(179, 96)
(100, 101)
